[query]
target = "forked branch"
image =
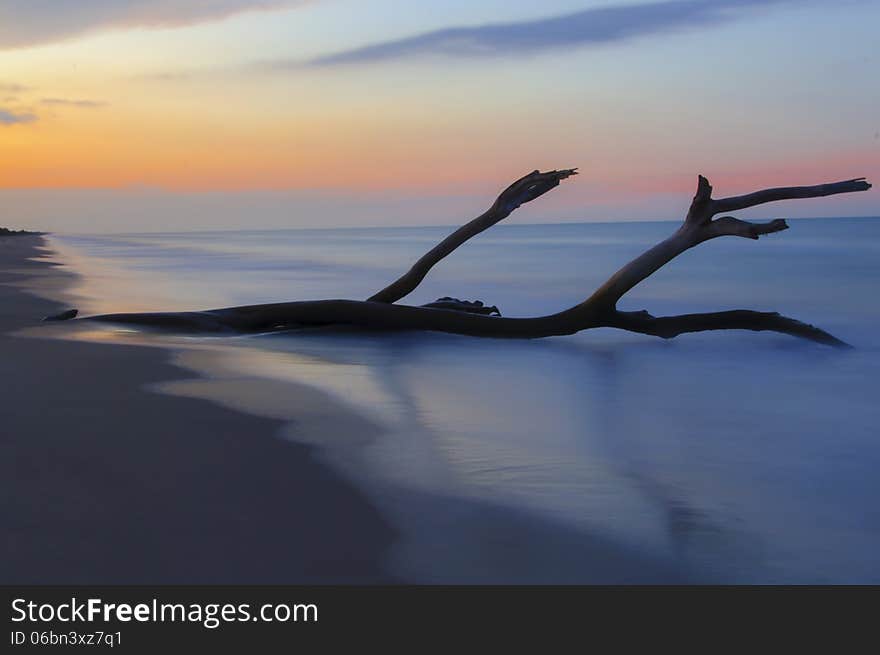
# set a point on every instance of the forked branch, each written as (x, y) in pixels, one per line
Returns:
(699, 226)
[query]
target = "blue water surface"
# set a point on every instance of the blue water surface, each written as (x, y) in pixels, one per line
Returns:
(729, 457)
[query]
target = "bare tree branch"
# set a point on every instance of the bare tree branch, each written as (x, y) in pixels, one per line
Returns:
(357, 313)
(524, 190)
(668, 327)
(644, 266)
(788, 193)
(730, 226)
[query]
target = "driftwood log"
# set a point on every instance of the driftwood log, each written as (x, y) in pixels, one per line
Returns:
(474, 319)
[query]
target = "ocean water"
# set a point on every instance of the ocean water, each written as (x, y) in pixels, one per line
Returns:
(604, 456)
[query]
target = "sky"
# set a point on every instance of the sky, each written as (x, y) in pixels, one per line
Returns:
(140, 115)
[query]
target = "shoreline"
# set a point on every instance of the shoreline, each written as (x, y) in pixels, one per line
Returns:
(110, 482)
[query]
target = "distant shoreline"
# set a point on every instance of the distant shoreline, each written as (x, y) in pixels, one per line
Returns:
(110, 483)
(6, 232)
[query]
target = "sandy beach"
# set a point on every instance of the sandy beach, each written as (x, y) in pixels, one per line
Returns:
(108, 483)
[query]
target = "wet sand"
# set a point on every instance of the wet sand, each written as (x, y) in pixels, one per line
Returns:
(107, 482)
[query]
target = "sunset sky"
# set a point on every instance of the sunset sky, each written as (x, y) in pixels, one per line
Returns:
(174, 114)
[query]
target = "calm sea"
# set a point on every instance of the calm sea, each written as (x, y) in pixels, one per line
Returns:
(724, 457)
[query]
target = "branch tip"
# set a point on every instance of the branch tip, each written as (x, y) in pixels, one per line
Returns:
(704, 189)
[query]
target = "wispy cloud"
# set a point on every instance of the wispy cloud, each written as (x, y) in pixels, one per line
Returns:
(7, 87)
(25, 23)
(68, 102)
(164, 76)
(583, 28)
(10, 117)
(182, 74)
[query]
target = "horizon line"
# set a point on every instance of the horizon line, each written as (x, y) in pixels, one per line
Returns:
(421, 227)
